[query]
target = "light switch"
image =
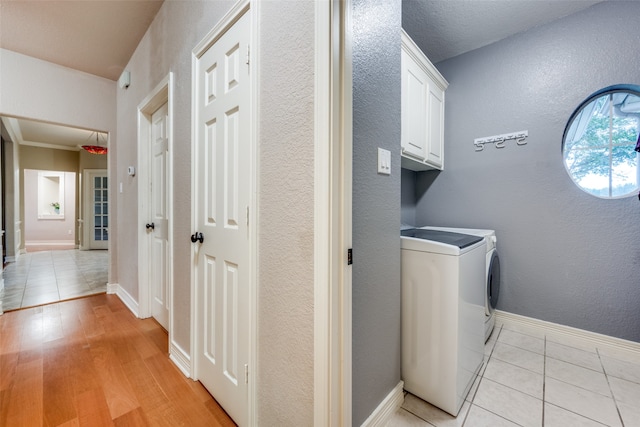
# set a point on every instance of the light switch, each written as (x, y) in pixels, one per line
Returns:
(384, 161)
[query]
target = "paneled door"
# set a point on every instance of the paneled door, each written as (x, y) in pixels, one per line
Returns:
(99, 218)
(222, 186)
(159, 262)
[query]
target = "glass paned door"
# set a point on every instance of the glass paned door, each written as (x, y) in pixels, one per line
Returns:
(100, 202)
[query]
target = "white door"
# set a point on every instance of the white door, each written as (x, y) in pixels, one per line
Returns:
(99, 218)
(221, 210)
(158, 228)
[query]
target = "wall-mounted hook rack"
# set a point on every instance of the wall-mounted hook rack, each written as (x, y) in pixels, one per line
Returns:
(499, 140)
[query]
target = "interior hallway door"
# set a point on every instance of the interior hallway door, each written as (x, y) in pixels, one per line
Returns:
(221, 206)
(159, 262)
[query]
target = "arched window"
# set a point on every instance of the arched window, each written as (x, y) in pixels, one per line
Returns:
(600, 141)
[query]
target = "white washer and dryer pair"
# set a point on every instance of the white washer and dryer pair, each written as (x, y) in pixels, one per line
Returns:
(492, 272)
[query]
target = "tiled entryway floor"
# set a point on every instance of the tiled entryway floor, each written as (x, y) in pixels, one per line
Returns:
(535, 379)
(38, 278)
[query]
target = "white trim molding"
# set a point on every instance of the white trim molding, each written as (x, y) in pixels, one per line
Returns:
(332, 223)
(383, 413)
(125, 297)
(180, 358)
(570, 333)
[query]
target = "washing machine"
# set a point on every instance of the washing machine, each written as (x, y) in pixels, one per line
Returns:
(492, 272)
(442, 314)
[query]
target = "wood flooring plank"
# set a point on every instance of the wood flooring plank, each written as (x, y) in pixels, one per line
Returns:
(147, 391)
(174, 385)
(25, 400)
(8, 366)
(120, 396)
(93, 409)
(5, 397)
(58, 394)
(135, 418)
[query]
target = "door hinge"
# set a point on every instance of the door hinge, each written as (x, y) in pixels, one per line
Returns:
(247, 216)
(349, 256)
(246, 374)
(248, 54)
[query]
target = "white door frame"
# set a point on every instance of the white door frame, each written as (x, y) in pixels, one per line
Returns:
(333, 195)
(162, 93)
(241, 7)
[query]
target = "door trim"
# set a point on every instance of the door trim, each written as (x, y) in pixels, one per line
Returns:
(162, 93)
(333, 194)
(228, 20)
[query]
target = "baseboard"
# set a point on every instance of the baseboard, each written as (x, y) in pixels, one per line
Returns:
(549, 328)
(125, 297)
(9, 259)
(180, 358)
(383, 413)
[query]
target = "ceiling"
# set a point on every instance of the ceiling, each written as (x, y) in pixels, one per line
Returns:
(94, 36)
(448, 28)
(47, 135)
(100, 36)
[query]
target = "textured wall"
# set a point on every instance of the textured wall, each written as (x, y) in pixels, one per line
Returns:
(166, 47)
(376, 204)
(285, 328)
(567, 257)
(285, 288)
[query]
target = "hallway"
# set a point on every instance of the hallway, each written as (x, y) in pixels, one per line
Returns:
(90, 362)
(49, 276)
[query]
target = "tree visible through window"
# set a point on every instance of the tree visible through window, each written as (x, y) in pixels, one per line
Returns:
(600, 140)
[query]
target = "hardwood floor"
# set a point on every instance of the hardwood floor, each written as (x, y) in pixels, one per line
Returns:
(90, 362)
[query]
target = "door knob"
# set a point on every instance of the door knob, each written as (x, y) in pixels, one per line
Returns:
(151, 226)
(197, 236)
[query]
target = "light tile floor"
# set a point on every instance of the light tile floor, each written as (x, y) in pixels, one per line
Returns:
(535, 379)
(38, 278)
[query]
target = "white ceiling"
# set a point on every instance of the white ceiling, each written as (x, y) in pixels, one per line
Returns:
(99, 36)
(94, 36)
(47, 135)
(448, 28)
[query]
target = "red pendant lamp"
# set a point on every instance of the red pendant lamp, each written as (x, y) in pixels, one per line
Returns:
(95, 149)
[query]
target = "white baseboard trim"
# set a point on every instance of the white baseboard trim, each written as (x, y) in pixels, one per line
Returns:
(180, 358)
(125, 297)
(555, 329)
(10, 259)
(1, 312)
(383, 413)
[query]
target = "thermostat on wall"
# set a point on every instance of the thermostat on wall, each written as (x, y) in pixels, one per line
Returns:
(131, 171)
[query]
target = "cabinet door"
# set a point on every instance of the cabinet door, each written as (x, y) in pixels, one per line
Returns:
(414, 109)
(436, 126)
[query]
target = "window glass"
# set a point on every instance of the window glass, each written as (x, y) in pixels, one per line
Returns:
(599, 143)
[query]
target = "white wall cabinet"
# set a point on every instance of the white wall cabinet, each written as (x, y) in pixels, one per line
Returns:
(422, 114)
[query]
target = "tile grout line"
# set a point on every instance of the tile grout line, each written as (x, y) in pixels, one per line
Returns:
(613, 397)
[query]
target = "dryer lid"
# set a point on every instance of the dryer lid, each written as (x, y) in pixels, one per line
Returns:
(447, 237)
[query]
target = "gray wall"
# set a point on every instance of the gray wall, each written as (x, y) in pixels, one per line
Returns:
(376, 204)
(566, 256)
